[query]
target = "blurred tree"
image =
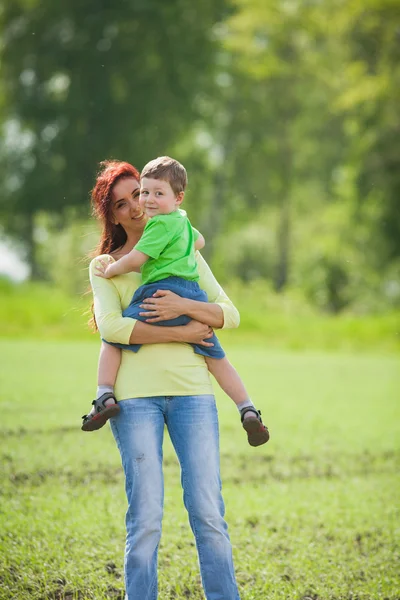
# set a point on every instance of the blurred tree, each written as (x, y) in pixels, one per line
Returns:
(368, 99)
(82, 81)
(286, 134)
(313, 99)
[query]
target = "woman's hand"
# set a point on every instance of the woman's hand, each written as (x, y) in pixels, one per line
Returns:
(197, 333)
(163, 306)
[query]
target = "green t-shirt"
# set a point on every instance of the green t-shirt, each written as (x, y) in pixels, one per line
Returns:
(169, 242)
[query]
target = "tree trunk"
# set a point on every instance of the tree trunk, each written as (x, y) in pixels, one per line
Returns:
(217, 215)
(283, 243)
(283, 234)
(31, 246)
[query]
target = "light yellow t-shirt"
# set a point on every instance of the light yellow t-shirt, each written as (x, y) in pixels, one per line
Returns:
(157, 369)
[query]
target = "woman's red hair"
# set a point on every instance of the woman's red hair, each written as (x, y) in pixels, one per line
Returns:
(111, 171)
(112, 236)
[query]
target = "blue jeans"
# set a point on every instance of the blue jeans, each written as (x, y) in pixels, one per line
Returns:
(192, 424)
(182, 287)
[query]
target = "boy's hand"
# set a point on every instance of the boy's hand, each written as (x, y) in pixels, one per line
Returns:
(103, 269)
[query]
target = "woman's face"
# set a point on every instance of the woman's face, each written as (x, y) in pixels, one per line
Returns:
(125, 208)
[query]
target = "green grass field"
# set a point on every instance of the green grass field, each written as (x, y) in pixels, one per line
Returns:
(313, 515)
(40, 311)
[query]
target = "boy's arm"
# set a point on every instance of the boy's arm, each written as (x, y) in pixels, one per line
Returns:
(128, 263)
(199, 243)
(153, 241)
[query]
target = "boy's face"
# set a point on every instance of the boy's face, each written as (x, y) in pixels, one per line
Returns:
(158, 198)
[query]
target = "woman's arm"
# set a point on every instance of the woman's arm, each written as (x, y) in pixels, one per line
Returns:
(216, 297)
(114, 327)
(192, 333)
(218, 313)
(165, 305)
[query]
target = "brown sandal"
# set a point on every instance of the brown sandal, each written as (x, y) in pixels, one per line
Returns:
(101, 414)
(257, 432)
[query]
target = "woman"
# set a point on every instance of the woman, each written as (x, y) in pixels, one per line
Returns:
(162, 384)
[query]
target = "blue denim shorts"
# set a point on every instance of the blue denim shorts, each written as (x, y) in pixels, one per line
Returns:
(181, 287)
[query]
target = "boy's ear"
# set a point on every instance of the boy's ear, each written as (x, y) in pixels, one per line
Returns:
(179, 198)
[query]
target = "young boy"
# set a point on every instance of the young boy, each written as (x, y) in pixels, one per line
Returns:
(166, 256)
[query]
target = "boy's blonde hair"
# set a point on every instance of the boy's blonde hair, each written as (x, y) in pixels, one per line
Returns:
(167, 169)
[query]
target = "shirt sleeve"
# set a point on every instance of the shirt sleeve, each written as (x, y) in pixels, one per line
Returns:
(154, 239)
(216, 294)
(113, 327)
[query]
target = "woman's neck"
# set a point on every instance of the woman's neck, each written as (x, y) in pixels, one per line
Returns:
(132, 239)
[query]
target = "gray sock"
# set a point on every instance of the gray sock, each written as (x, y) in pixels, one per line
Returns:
(245, 404)
(104, 389)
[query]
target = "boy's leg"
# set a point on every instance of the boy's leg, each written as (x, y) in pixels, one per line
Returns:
(230, 382)
(107, 370)
(228, 379)
(105, 405)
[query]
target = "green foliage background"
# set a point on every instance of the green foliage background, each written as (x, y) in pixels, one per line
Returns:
(285, 114)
